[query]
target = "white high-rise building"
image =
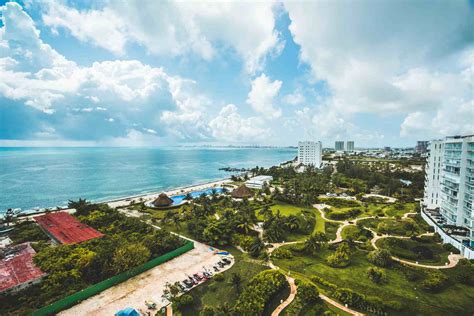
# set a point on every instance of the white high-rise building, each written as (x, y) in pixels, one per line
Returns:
(310, 153)
(433, 177)
(350, 146)
(449, 191)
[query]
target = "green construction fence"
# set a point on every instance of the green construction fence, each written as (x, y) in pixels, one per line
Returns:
(92, 290)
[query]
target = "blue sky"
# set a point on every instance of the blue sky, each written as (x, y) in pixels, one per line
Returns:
(153, 73)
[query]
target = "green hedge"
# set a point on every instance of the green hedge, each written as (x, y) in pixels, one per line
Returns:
(77, 297)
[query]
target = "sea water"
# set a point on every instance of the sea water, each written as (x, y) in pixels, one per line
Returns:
(49, 177)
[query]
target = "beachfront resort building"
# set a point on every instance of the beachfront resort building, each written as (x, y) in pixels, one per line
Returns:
(310, 153)
(258, 182)
(449, 191)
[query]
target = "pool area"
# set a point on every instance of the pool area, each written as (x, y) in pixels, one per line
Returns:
(179, 199)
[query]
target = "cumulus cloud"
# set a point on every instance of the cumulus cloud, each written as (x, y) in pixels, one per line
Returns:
(262, 95)
(377, 58)
(294, 98)
(229, 125)
(174, 28)
(100, 27)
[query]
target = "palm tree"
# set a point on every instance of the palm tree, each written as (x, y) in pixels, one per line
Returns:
(236, 281)
(256, 247)
(245, 225)
(311, 244)
(265, 211)
(77, 204)
(292, 222)
(168, 216)
(176, 221)
(188, 197)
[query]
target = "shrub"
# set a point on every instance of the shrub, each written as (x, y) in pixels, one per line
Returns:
(183, 301)
(282, 253)
(372, 304)
(308, 293)
(451, 248)
(411, 274)
(380, 257)
(207, 311)
(258, 292)
(376, 275)
(219, 277)
(344, 214)
(434, 282)
(323, 282)
(465, 272)
(341, 258)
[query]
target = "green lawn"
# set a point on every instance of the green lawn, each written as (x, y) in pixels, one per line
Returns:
(285, 210)
(330, 229)
(215, 293)
(423, 252)
(457, 299)
(355, 233)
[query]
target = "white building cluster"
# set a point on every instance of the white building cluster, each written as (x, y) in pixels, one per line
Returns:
(310, 153)
(449, 190)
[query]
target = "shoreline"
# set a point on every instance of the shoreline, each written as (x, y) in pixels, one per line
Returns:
(126, 200)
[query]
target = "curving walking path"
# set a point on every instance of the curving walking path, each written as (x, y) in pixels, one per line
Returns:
(453, 258)
(292, 295)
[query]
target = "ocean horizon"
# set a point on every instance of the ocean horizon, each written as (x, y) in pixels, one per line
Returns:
(50, 176)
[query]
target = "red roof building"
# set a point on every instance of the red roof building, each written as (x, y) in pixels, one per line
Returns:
(17, 269)
(65, 228)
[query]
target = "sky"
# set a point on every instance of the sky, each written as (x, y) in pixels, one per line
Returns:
(161, 73)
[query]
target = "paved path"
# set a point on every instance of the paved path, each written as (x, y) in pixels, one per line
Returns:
(453, 258)
(340, 306)
(389, 199)
(291, 297)
(406, 215)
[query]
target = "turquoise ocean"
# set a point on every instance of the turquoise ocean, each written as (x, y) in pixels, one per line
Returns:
(49, 177)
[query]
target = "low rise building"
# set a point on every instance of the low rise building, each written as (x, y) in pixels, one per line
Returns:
(17, 269)
(258, 182)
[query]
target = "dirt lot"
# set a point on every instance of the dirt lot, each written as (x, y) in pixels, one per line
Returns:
(148, 285)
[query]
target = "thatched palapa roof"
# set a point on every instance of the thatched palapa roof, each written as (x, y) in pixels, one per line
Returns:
(242, 192)
(162, 201)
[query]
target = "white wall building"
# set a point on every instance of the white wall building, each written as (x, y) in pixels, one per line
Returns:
(432, 198)
(449, 190)
(258, 182)
(310, 153)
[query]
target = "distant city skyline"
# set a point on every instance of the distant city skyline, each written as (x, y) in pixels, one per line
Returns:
(138, 73)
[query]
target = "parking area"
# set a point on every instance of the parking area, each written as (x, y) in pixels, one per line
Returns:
(148, 286)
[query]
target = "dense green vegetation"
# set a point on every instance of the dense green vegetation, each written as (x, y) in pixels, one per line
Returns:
(128, 242)
(401, 291)
(362, 177)
(27, 231)
(425, 249)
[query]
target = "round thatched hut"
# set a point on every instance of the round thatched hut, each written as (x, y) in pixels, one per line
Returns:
(242, 192)
(162, 201)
